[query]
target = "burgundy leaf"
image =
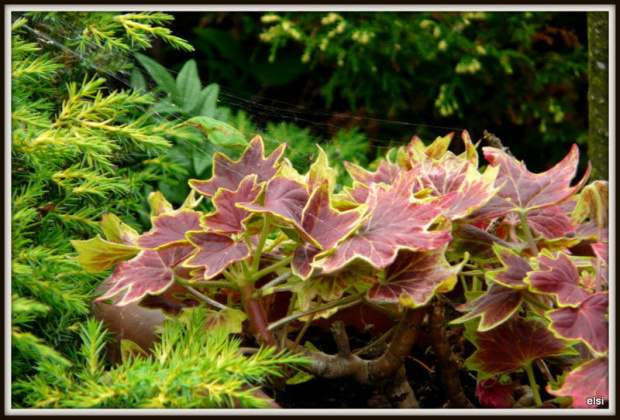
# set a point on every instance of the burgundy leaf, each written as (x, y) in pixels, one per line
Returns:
(229, 174)
(515, 271)
(588, 381)
(150, 272)
(557, 276)
(602, 266)
(303, 259)
(493, 394)
(587, 322)
(326, 225)
(525, 191)
(228, 218)
(169, 229)
(601, 251)
(215, 252)
(514, 345)
(497, 305)
(284, 198)
(359, 192)
(414, 277)
(551, 222)
(396, 221)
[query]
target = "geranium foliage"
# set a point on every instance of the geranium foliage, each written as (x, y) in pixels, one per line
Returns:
(400, 238)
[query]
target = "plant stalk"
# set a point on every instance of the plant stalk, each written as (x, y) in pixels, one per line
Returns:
(261, 243)
(528, 234)
(329, 305)
(256, 315)
(533, 385)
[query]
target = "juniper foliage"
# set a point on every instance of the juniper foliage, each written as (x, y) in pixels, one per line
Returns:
(81, 147)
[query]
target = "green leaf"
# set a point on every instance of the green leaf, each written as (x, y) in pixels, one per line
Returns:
(160, 74)
(188, 86)
(97, 254)
(299, 378)
(209, 100)
(137, 80)
(218, 132)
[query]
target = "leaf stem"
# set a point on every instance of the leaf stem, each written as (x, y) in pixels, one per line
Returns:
(276, 281)
(476, 285)
(222, 284)
(329, 305)
(205, 298)
(528, 233)
(530, 299)
(261, 243)
(259, 274)
(464, 283)
(533, 385)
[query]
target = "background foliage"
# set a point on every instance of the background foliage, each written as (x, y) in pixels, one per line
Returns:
(519, 75)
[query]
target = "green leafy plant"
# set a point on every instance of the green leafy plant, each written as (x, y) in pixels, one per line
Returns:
(191, 367)
(398, 239)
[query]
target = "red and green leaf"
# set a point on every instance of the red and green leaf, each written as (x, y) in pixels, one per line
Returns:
(229, 174)
(457, 175)
(215, 252)
(150, 272)
(497, 305)
(515, 269)
(588, 380)
(414, 278)
(587, 322)
(524, 191)
(284, 198)
(557, 276)
(551, 222)
(159, 204)
(326, 227)
(169, 229)
(514, 345)
(396, 221)
(228, 218)
(418, 152)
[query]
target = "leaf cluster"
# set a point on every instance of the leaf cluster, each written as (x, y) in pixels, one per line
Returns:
(395, 238)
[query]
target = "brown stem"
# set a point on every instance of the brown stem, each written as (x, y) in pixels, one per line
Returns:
(400, 345)
(257, 316)
(449, 372)
(364, 371)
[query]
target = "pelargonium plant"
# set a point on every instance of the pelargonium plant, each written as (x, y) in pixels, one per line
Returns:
(517, 262)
